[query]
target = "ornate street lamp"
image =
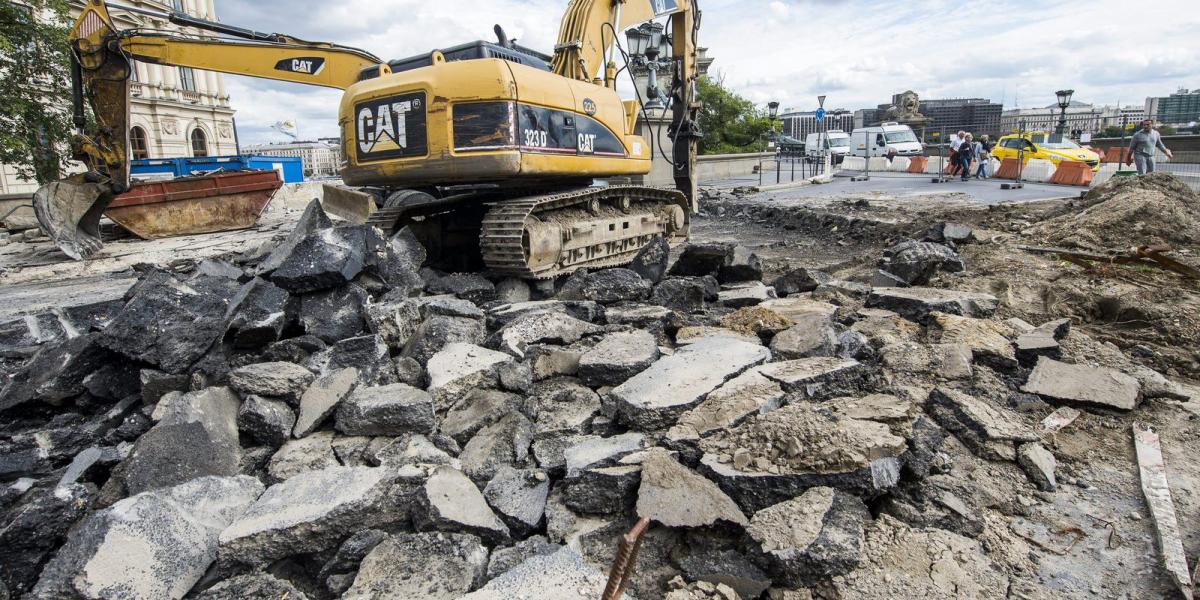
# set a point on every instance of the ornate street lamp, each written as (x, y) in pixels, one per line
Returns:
(647, 44)
(1064, 100)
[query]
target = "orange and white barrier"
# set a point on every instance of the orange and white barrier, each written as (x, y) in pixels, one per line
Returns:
(1072, 173)
(899, 164)
(1009, 168)
(917, 164)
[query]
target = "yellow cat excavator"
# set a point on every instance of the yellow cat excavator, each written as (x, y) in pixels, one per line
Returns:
(488, 149)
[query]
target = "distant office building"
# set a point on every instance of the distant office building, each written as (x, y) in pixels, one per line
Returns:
(977, 115)
(798, 124)
(319, 158)
(1180, 108)
(1082, 118)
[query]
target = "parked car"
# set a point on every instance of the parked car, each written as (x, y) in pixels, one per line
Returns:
(835, 142)
(1046, 146)
(886, 139)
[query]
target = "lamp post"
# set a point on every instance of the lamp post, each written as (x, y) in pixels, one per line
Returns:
(1064, 100)
(647, 44)
(773, 113)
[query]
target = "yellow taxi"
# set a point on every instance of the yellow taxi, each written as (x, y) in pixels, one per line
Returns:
(1046, 146)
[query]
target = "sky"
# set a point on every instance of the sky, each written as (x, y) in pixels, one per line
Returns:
(857, 52)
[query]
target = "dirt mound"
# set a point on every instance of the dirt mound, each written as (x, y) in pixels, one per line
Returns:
(1128, 212)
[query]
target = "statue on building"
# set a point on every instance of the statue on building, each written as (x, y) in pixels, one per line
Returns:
(906, 110)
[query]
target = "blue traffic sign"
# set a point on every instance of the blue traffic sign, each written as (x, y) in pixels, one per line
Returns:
(820, 114)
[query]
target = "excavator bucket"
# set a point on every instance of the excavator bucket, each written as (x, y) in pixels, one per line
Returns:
(69, 211)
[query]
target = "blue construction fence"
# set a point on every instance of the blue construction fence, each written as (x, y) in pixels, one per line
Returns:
(290, 168)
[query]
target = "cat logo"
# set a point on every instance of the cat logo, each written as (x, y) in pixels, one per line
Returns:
(589, 106)
(307, 65)
(392, 127)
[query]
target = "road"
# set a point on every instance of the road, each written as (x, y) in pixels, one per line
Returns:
(902, 185)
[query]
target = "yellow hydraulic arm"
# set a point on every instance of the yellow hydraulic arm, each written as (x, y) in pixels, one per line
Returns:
(588, 32)
(101, 65)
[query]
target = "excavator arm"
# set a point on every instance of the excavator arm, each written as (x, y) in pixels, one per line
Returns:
(70, 209)
(586, 40)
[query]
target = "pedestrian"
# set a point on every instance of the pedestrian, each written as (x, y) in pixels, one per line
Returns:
(966, 153)
(956, 141)
(983, 154)
(1142, 146)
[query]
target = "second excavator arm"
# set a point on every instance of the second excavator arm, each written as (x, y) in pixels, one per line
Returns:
(102, 62)
(586, 37)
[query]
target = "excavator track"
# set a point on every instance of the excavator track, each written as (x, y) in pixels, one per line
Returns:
(541, 237)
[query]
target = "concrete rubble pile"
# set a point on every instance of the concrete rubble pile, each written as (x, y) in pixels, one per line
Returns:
(331, 420)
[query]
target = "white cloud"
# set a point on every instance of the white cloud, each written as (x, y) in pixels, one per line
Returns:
(858, 52)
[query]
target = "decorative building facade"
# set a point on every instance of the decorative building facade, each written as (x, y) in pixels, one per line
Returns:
(174, 111)
(320, 158)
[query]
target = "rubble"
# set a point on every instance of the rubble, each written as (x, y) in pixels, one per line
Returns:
(652, 260)
(916, 303)
(1095, 386)
(505, 442)
(322, 398)
(812, 335)
(916, 262)
(990, 431)
(437, 566)
(448, 501)
(310, 512)
(675, 496)
(618, 357)
(545, 576)
(1039, 464)
(519, 497)
(403, 432)
(328, 258)
(282, 380)
(385, 410)
(657, 396)
(810, 538)
(173, 530)
(268, 421)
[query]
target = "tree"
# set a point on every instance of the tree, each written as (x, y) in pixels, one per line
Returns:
(1112, 131)
(731, 123)
(35, 114)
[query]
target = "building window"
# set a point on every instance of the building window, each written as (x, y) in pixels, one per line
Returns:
(199, 143)
(177, 5)
(138, 149)
(187, 79)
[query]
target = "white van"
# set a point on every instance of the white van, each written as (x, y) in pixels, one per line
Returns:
(837, 144)
(884, 140)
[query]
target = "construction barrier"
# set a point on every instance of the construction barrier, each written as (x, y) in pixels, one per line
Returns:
(899, 164)
(1115, 154)
(1039, 170)
(878, 163)
(1072, 173)
(1009, 168)
(1106, 172)
(918, 164)
(854, 163)
(933, 165)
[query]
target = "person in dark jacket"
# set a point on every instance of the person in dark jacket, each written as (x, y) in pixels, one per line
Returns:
(966, 154)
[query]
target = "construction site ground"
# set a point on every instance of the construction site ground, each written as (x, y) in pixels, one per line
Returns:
(999, 536)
